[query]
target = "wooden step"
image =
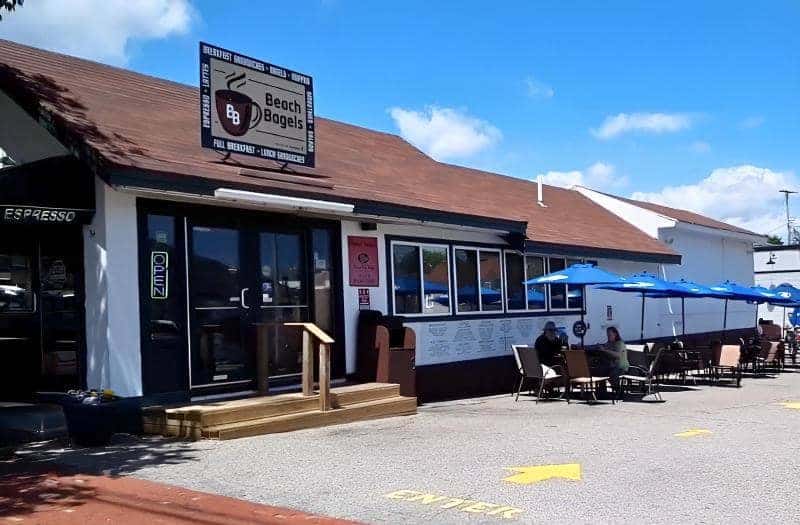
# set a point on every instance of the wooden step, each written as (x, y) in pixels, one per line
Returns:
(223, 412)
(255, 408)
(352, 394)
(375, 409)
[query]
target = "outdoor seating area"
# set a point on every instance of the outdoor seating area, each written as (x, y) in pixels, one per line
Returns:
(616, 370)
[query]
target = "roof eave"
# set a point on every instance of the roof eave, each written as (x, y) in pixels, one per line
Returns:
(602, 253)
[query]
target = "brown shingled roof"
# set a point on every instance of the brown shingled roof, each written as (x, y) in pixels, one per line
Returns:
(686, 216)
(132, 123)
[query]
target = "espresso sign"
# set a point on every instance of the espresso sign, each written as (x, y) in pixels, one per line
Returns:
(251, 107)
(159, 276)
(39, 215)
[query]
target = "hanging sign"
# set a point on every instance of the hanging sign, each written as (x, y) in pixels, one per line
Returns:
(363, 257)
(41, 215)
(254, 108)
(159, 276)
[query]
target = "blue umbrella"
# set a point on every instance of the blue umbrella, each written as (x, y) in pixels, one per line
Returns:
(789, 293)
(647, 284)
(695, 290)
(582, 275)
(743, 293)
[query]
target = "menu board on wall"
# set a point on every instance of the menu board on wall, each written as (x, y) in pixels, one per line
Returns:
(362, 254)
(465, 339)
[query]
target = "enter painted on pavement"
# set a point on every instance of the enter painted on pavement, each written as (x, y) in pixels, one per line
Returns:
(470, 506)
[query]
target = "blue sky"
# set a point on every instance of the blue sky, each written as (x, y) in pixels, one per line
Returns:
(522, 88)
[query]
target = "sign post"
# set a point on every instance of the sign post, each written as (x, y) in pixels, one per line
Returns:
(255, 108)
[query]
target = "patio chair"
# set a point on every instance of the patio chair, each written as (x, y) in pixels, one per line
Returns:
(581, 376)
(531, 369)
(637, 355)
(727, 360)
(771, 355)
(643, 377)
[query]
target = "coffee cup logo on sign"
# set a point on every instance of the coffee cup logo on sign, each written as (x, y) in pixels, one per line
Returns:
(237, 112)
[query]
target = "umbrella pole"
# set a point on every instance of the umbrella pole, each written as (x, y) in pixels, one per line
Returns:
(683, 317)
(724, 321)
(641, 330)
(783, 323)
(583, 309)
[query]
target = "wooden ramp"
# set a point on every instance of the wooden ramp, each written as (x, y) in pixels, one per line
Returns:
(279, 413)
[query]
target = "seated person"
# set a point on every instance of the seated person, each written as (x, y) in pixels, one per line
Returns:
(548, 345)
(616, 350)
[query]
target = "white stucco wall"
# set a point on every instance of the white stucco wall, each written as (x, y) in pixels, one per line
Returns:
(786, 269)
(112, 294)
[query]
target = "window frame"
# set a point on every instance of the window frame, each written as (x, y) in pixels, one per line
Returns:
(480, 310)
(421, 246)
(566, 308)
(525, 255)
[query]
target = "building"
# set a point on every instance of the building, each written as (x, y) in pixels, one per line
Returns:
(774, 266)
(138, 261)
(711, 251)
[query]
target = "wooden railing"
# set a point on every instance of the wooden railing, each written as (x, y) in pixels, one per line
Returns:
(310, 330)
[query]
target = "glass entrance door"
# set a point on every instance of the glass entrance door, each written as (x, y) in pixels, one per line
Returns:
(246, 280)
(283, 298)
(41, 310)
(219, 303)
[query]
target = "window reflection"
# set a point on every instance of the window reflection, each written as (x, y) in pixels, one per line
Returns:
(491, 283)
(466, 280)
(16, 294)
(405, 262)
(436, 280)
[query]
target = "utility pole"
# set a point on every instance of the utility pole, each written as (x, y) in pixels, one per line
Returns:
(788, 220)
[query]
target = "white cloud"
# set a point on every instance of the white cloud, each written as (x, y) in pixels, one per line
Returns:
(746, 196)
(616, 125)
(98, 30)
(600, 176)
(537, 89)
(752, 122)
(699, 146)
(445, 133)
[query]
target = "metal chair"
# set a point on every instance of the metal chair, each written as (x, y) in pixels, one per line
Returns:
(530, 368)
(644, 379)
(580, 374)
(727, 359)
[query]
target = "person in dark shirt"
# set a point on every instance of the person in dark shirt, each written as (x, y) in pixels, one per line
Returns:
(548, 345)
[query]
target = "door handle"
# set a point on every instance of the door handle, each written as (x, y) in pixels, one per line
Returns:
(241, 297)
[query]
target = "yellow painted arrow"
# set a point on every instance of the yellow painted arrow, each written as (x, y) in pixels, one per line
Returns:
(693, 432)
(535, 474)
(792, 404)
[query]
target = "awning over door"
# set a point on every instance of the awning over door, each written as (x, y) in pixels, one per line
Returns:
(57, 190)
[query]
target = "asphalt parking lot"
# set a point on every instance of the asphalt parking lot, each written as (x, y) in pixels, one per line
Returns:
(706, 455)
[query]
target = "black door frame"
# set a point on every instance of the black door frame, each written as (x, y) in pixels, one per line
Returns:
(36, 236)
(188, 214)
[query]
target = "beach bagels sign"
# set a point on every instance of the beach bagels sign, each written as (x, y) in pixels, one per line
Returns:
(254, 108)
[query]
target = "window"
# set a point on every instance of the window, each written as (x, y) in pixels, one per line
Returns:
(421, 279)
(563, 296)
(521, 297)
(558, 292)
(515, 277)
(537, 293)
(479, 284)
(574, 293)
(16, 284)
